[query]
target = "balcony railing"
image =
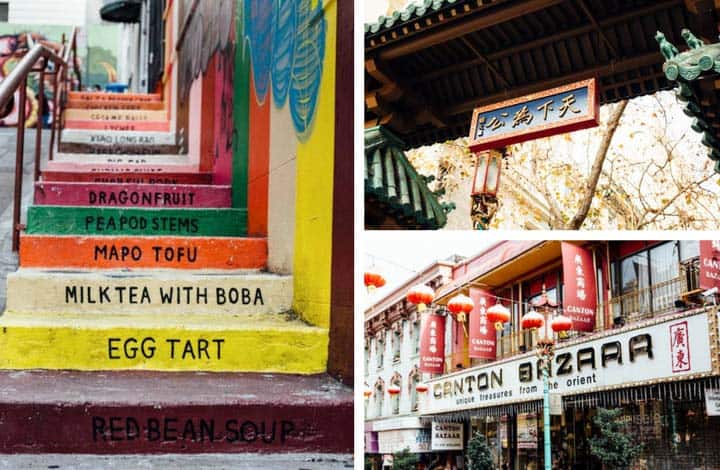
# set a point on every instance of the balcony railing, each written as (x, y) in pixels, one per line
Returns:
(657, 299)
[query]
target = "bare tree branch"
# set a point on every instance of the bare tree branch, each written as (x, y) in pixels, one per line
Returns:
(582, 212)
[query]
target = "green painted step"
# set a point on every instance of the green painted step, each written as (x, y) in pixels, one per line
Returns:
(67, 220)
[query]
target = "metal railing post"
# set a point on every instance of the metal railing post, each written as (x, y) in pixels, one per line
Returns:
(39, 124)
(19, 152)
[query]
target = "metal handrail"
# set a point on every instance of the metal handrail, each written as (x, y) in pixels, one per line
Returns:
(17, 81)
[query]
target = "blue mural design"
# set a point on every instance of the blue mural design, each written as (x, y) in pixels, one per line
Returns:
(287, 43)
(307, 65)
(258, 29)
(283, 37)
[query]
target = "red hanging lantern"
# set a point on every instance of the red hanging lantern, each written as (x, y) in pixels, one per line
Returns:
(498, 314)
(561, 324)
(532, 320)
(367, 393)
(421, 295)
(373, 281)
(460, 306)
(422, 388)
(393, 390)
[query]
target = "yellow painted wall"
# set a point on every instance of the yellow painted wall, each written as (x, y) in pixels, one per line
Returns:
(314, 203)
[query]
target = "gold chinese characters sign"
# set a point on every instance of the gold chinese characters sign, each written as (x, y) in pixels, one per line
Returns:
(563, 109)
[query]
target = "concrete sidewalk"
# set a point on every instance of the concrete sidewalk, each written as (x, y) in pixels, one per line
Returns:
(8, 259)
(189, 461)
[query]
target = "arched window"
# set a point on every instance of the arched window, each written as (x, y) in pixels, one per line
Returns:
(396, 381)
(379, 396)
(380, 349)
(413, 380)
(396, 341)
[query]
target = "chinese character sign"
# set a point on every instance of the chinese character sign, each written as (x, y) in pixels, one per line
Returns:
(679, 347)
(709, 264)
(580, 300)
(482, 333)
(432, 344)
(564, 109)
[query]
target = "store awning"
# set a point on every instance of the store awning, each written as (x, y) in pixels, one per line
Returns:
(396, 195)
(121, 11)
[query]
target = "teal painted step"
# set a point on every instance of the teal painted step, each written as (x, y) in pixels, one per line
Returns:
(81, 220)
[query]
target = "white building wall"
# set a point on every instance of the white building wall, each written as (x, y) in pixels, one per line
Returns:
(55, 12)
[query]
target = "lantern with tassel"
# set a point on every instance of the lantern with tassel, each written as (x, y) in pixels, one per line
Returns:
(499, 315)
(421, 295)
(373, 280)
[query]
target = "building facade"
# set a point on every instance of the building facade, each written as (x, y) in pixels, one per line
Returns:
(651, 351)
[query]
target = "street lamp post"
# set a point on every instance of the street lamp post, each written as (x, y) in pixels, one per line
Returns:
(546, 323)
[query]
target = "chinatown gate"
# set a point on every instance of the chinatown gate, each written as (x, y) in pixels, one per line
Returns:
(438, 69)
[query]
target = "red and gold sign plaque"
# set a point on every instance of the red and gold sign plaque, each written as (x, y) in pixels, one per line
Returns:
(563, 109)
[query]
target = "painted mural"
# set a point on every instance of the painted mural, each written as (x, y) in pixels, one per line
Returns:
(97, 61)
(294, 33)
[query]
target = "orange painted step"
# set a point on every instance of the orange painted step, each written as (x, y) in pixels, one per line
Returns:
(107, 96)
(127, 177)
(115, 104)
(76, 252)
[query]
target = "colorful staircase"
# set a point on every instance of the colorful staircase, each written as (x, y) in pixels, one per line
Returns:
(132, 260)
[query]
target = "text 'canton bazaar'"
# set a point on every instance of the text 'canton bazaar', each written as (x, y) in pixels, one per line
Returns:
(617, 338)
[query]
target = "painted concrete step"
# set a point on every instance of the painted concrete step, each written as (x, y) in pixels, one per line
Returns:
(114, 104)
(115, 115)
(149, 126)
(106, 96)
(95, 159)
(124, 164)
(79, 136)
(81, 220)
(117, 149)
(260, 343)
(70, 252)
(129, 176)
(138, 412)
(132, 195)
(161, 293)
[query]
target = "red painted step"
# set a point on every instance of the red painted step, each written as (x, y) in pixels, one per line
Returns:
(132, 195)
(152, 412)
(156, 126)
(127, 177)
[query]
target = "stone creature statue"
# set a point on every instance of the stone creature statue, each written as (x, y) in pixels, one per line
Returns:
(692, 41)
(666, 48)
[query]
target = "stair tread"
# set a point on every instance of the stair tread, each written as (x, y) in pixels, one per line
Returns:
(150, 387)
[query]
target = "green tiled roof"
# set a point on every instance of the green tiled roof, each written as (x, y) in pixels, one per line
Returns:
(391, 181)
(416, 9)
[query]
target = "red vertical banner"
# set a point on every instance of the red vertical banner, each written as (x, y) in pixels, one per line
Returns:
(709, 264)
(580, 300)
(432, 344)
(483, 337)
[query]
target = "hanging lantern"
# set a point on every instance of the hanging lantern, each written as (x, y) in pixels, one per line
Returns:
(393, 390)
(532, 320)
(373, 281)
(460, 306)
(498, 314)
(421, 295)
(367, 393)
(561, 324)
(422, 388)
(487, 173)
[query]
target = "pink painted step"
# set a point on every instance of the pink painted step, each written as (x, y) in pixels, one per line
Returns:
(128, 177)
(152, 126)
(132, 195)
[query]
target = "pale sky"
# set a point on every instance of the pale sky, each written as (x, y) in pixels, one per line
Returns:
(400, 255)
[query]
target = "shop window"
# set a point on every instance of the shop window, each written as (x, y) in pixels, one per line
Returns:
(664, 276)
(4, 6)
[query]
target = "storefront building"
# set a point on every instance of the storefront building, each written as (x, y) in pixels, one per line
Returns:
(649, 347)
